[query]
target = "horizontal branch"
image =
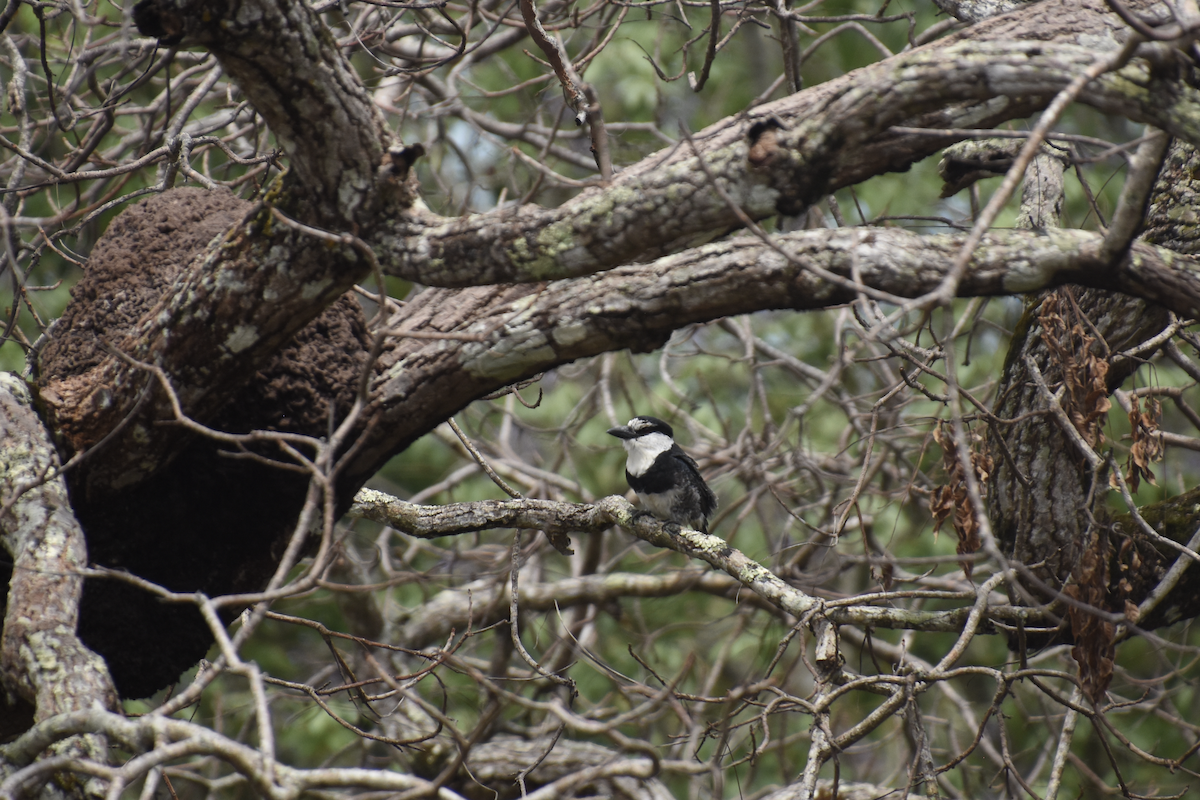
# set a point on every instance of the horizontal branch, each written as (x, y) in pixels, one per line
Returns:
(528, 329)
(458, 518)
(777, 158)
(453, 519)
(228, 313)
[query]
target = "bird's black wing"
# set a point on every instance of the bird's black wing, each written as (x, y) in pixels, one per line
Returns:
(708, 500)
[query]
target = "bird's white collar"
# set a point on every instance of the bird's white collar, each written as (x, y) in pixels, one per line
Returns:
(643, 450)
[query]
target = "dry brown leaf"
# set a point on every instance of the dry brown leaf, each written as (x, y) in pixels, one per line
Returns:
(1147, 446)
(1082, 371)
(1093, 635)
(952, 501)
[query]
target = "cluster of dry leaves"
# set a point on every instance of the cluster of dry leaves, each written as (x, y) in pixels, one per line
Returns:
(1082, 359)
(952, 500)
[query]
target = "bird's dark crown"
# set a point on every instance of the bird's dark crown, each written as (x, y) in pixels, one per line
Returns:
(644, 425)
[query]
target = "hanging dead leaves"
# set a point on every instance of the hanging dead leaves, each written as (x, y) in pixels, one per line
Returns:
(952, 500)
(1146, 445)
(1094, 649)
(1082, 362)
(1081, 359)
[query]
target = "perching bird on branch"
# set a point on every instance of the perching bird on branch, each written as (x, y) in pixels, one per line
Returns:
(665, 479)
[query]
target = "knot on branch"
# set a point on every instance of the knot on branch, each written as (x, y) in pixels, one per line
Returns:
(763, 141)
(399, 160)
(154, 18)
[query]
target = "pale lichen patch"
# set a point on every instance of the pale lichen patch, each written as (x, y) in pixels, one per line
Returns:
(612, 305)
(243, 336)
(1033, 273)
(509, 358)
(54, 543)
(229, 280)
(314, 289)
(568, 335)
(522, 256)
(559, 252)
(523, 304)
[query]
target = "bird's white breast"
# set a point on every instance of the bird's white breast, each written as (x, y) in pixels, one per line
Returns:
(643, 450)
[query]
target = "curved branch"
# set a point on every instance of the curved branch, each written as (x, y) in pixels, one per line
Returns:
(283, 58)
(777, 158)
(44, 662)
(520, 331)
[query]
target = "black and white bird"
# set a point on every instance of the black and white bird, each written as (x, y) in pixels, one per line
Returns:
(665, 478)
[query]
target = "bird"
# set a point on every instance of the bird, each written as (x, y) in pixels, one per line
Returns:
(666, 480)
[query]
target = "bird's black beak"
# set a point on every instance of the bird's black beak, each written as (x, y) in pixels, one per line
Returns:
(622, 432)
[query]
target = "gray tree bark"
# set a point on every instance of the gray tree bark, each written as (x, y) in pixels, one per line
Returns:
(526, 289)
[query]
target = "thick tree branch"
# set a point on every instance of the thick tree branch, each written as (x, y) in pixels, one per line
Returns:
(529, 329)
(777, 158)
(230, 311)
(429, 522)
(44, 663)
(287, 63)
(458, 518)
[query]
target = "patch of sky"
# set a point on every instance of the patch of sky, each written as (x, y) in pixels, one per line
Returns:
(481, 155)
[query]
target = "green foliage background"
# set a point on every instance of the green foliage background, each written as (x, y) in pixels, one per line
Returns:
(780, 474)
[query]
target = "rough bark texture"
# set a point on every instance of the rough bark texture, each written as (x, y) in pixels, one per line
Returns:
(44, 667)
(288, 65)
(214, 307)
(170, 530)
(1045, 508)
(207, 520)
(142, 251)
(1173, 218)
